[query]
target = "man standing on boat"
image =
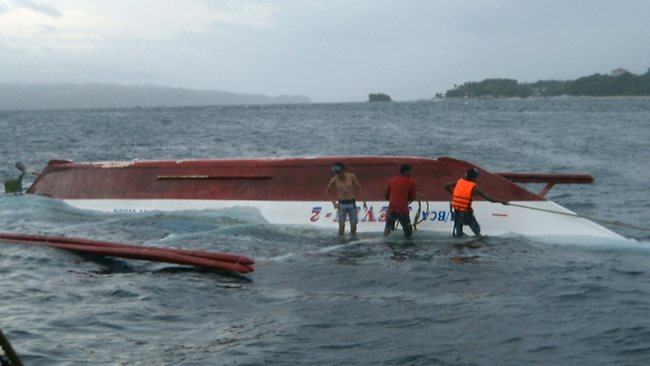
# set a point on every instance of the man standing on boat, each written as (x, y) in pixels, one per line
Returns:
(400, 191)
(463, 193)
(347, 188)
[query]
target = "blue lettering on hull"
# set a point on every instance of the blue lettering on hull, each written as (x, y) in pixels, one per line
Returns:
(373, 215)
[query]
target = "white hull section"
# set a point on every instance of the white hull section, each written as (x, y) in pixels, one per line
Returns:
(495, 219)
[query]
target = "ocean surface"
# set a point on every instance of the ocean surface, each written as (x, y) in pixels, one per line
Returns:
(313, 300)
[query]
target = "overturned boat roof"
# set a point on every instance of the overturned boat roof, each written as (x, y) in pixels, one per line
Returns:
(291, 191)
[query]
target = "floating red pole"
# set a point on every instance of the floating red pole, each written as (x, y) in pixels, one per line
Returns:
(64, 239)
(219, 261)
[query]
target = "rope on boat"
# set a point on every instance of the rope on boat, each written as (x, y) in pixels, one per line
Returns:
(417, 219)
(14, 360)
(615, 223)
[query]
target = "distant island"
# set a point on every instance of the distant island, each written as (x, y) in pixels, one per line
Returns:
(619, 82)
(95, 95)
(379, 97)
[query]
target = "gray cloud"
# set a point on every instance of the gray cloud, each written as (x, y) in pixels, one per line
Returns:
(329, 50)
(46, 9)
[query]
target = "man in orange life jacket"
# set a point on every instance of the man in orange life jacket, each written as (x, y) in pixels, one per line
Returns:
(400, 191)
(463, 193)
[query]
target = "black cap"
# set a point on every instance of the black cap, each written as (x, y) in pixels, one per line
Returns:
(471, 173)
(338, 167)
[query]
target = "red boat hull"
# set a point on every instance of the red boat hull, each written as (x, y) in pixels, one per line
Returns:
(299, 179)
(291, 191)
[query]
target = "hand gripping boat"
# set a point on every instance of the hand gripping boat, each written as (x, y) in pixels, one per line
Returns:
(290, 191)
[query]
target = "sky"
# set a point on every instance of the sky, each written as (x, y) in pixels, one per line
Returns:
(328, 50)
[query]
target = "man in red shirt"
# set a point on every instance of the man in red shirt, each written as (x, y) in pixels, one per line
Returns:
(400, 191)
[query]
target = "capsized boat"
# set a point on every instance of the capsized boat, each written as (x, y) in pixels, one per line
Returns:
(290, 191)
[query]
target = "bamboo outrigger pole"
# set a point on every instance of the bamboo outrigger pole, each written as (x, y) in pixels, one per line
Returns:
(9, 351)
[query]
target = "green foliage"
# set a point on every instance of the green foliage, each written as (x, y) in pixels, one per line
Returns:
(491, 88)
(379, 97)
(622, 84)
(13, 186)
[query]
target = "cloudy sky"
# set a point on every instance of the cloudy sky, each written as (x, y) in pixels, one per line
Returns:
(328, 50)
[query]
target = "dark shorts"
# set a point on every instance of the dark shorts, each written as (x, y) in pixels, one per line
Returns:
(403, 219)
(347, 209)
(465, 218)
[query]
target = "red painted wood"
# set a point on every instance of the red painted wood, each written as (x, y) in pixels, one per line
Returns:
(225, 257)
(548, 178)
(219, 261)
(291, 179)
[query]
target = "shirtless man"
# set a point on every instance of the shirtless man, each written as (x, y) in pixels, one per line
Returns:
(347, 187)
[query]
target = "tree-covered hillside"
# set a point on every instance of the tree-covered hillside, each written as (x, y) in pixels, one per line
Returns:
(618, 83)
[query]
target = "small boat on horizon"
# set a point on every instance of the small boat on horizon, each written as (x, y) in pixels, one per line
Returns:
(290, 191)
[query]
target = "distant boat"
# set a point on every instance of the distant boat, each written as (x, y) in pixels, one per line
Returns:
(290, 191)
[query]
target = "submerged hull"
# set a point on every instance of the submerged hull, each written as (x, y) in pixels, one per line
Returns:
(291, 192)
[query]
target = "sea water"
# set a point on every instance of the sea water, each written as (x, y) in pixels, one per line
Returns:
(312, 299)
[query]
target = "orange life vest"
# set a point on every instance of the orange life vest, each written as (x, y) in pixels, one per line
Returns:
(462, 196)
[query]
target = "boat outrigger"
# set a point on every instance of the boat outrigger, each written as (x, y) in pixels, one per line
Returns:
(210, 260)
(290, 191)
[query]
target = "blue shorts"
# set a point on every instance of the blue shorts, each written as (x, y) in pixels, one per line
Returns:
(347, 209)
